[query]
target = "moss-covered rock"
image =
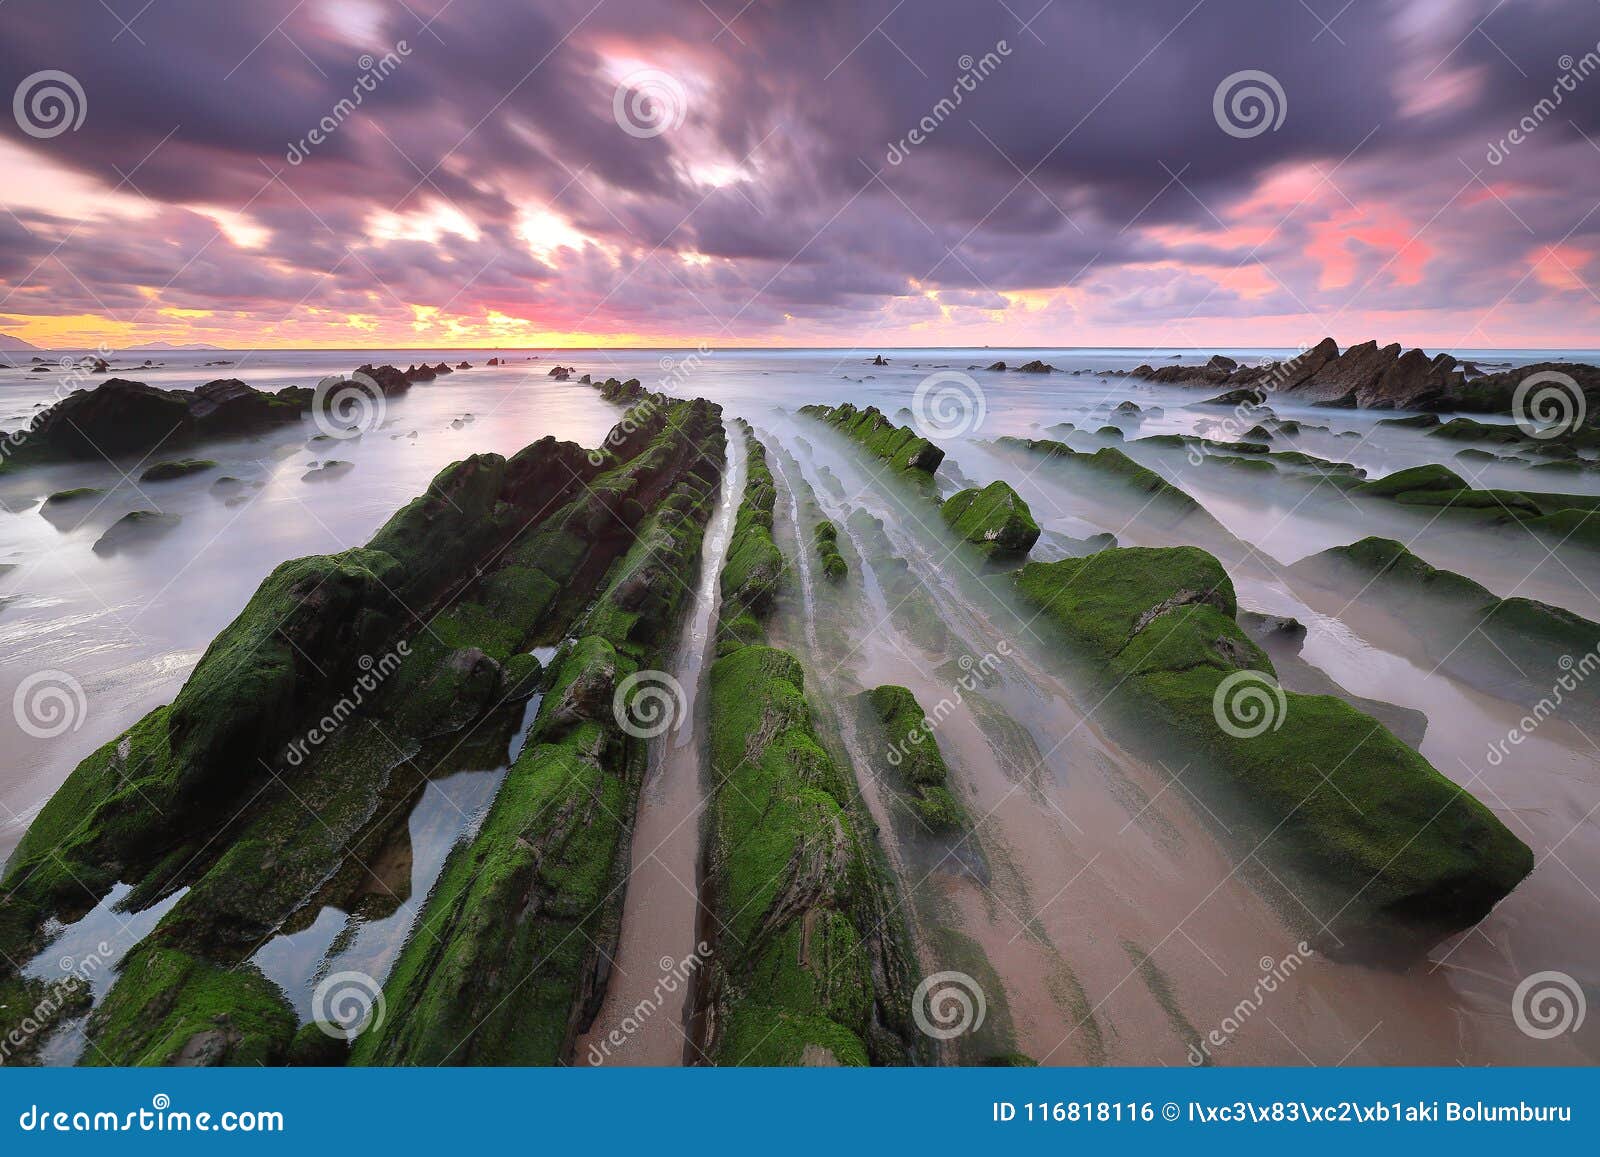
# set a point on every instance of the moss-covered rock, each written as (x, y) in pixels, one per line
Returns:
(1391, 853)
(1157, 498)
(318, 694)
(171, 1008)
(753, 572)
(1415, 480)
(1579, 528)
(809, 966)
(76, 494)
(791, 876)
(995, 519)
(826, 539)
(899, 445)
(31, 1009)
(555, 846)
(1439, 487)
(1186, 441)
(912, 757)
(503, 966)
(1470, 430)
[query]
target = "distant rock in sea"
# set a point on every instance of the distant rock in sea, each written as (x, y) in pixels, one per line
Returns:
(1372, 377)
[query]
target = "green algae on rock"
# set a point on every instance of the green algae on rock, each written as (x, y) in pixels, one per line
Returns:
(899, 445)
(995, 519)
(753, 572)
(810, 965)
(1158, 498)
(556, 842)
(826, 540)
(913, 757)
(171, 1008)
(1415, 859)
(449, 592)
(1565, 518)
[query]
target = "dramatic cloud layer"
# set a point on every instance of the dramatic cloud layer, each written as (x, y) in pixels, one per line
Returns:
(853, 172)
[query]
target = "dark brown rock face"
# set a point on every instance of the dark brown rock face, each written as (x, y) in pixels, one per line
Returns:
(1365, 375)
(390, 380)
(1412, 382)
(1341, 381)
(1289, 375)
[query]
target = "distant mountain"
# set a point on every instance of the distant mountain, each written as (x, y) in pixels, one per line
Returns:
(167, 345)
(7, 342)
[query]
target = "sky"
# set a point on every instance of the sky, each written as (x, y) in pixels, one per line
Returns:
(856, 173)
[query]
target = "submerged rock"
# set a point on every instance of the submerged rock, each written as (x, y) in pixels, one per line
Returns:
(912, 758)
(1420, 860)
(1512, 647)
(1281, 638)
(177, 468)
(137, 528)
(327, 471)
(76, 494)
